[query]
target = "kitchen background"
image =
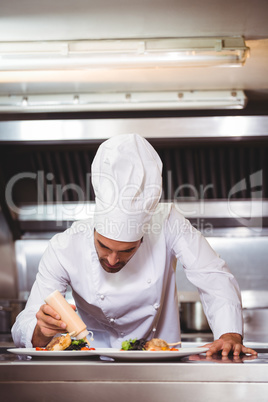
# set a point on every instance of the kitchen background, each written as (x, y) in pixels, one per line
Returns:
(208, 123)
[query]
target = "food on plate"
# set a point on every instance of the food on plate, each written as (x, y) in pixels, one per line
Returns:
(154, 344)
(59, 343)
(134, 344)
(80, 344)
(65, 342)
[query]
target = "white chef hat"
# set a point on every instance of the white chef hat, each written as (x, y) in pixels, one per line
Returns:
(127, 180)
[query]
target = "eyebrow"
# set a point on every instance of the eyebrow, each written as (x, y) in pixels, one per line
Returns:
(120, 251)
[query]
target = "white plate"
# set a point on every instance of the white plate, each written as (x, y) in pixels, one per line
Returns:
(116, 354)
(48, 353)
(149, 355)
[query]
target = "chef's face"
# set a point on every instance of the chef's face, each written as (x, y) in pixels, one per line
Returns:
(114, 255)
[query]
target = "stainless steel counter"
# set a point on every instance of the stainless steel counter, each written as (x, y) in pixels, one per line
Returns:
(187, 379)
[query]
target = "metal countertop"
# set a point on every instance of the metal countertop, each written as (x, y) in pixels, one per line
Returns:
(191, 368)
(186, 379)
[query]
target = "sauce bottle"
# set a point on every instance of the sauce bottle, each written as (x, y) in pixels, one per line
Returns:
(75, 326)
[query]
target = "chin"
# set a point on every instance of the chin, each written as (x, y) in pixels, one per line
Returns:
(111, 270)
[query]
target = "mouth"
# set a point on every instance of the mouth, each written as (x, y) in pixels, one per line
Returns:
(112, 266)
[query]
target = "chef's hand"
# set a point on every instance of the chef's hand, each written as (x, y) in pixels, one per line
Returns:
(48, 325)
(216, 357)
(229, 343)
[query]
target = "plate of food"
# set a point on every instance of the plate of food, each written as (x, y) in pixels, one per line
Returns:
(133, 349)
(118, 354)
(154, 349)
(59, 346)
(42, 352)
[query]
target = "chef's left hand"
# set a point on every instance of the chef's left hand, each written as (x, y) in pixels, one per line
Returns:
(228, 343)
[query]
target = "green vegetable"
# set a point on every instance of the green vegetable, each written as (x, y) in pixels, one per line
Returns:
(128, 345)
(78, 342)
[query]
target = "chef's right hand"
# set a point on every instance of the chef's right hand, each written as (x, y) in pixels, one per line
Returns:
(48, 325)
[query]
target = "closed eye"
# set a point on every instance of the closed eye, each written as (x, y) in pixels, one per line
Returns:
(120, 251)
(103, 246)
(127, 251)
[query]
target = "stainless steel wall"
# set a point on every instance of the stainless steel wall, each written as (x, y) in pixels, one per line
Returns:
(8, 272)
(246, 257)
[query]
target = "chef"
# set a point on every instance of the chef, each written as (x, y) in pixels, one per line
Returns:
(120, 263)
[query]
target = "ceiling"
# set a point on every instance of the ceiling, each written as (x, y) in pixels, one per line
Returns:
(87, 19)
(28, 20)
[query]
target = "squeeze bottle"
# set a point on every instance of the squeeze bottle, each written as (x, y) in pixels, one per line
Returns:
(75, 325)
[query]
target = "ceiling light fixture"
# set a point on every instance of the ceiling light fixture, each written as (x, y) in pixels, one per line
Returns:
(125, 53)
(120, 101)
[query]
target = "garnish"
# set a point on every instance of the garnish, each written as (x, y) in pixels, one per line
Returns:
(128, 345)
(77, 344)
(134, 344)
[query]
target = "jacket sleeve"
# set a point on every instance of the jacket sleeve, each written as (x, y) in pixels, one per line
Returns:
(218, 288)
(51, 276)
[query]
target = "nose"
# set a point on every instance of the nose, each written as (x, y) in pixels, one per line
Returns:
(113, 258)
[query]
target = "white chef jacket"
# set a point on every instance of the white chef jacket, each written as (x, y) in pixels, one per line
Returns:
(140, 301)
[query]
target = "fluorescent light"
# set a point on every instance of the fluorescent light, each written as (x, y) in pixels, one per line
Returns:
(119, 101)
(125, 53)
